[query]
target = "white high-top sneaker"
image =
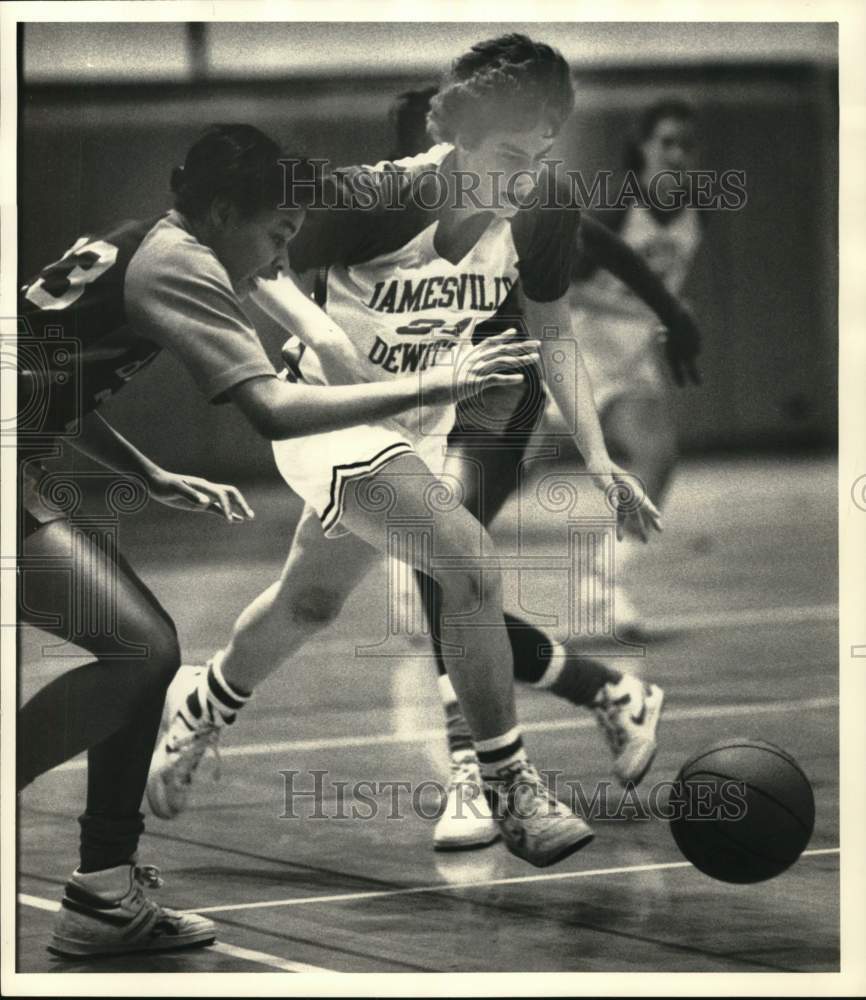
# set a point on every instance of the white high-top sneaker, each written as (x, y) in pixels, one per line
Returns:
(183, 742)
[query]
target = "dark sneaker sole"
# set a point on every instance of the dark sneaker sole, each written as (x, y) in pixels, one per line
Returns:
(566, 852)
(64, 951)
(471, 845)
(552, 859)
(638, 778)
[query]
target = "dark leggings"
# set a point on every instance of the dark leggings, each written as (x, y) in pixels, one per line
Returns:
(110, 707)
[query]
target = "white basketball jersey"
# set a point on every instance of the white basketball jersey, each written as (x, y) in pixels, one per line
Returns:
(404, 305)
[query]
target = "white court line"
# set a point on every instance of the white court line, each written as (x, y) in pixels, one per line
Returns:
(245, 954)
(38, 903)
(420, 736)
(480, 884)
(263, 958)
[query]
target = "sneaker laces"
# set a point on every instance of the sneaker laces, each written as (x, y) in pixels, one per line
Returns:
(465, 771)
(148, 875)
(145, 876)
(192, 746)
(609, 714)
(522, 772)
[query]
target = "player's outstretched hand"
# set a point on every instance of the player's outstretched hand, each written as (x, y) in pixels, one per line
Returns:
(682, 346)
(498, 360)
(193, 493)
(634, 508)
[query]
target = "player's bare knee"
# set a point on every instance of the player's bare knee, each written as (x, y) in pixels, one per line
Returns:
(474, 585)
(472, 589)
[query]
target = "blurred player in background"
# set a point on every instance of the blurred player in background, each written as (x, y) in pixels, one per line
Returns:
(629, 364)
(175, 283)
(619, 334)
(408, 283)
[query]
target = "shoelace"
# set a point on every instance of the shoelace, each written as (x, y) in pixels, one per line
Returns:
(145, 876)
(522, 772)
(609, 713)
(191, 747)
(148, 875)
(465, 772)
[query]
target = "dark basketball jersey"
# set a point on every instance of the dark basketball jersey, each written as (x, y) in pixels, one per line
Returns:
(75, 347)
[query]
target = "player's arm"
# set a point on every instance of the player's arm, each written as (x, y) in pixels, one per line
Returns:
(285, 410)
(545, 238)
(568, 382)
(284, 301)
(183, 302)
(279, 410)
(612, 253)
(100, 441)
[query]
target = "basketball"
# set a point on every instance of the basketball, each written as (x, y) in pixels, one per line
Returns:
(744, 811)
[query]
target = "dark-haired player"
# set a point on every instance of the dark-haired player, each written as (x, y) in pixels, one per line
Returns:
(408, 276)
(624, 354)
(119, 297)
(486, 460)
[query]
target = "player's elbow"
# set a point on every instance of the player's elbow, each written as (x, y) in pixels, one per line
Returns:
(278, 423)
(262, 402)
(267, 425)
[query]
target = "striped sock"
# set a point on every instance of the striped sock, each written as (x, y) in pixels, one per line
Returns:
(456, 727)
(213, 697)
(500, 752)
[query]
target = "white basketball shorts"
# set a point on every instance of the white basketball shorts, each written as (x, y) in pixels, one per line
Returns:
(320, 466)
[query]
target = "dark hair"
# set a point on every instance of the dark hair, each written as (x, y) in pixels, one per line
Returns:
(509, 81)
(646, 125)
(408, 119)
(236, 162)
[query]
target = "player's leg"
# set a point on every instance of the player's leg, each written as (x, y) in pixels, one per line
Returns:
(317, 577)
(111, 708)
(488, 473)
(485, 450)
(486, 470)
(640, 434)
(479, 657)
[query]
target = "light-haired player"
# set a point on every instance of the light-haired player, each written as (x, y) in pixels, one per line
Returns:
(409, 263)
(485, 456)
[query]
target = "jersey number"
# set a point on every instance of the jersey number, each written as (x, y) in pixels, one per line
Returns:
(63, 282)
(422, 327)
